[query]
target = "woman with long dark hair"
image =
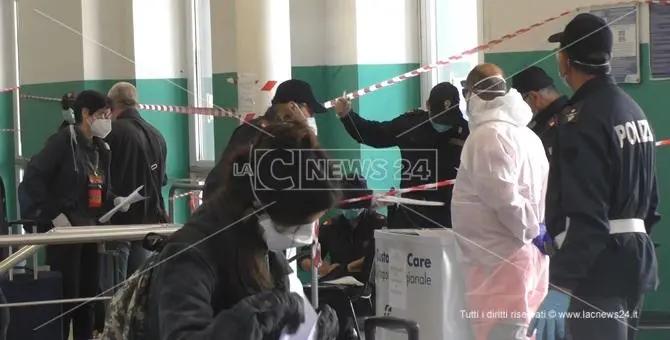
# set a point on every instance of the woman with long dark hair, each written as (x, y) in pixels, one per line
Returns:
(224, 274)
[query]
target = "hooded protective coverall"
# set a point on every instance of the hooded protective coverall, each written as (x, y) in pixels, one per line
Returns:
(497, 207)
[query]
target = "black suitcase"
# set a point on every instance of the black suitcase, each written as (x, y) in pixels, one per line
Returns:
(23, 287)
(371, 324)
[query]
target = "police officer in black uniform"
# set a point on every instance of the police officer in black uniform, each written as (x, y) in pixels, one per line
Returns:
(601, 198)
(537, 89)
(430, 144)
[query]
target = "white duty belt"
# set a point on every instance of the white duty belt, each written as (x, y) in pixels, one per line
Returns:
(628, 225)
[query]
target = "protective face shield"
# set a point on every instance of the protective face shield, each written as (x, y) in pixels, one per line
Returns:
(101, 127)
(351, 214)
(68, 116)
(473, 100)
(290, 236)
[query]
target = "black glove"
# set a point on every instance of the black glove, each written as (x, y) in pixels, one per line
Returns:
(328, 326)
(275, 311)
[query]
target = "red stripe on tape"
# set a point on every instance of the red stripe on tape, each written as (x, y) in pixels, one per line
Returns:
(269, 85)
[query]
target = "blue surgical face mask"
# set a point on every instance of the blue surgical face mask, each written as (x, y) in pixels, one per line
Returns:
(440, 127)
(351, 214)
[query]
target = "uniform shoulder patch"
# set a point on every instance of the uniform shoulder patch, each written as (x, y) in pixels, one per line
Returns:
(569, 115)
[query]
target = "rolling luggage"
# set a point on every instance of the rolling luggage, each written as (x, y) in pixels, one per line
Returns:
(391, 323)
(29, 287)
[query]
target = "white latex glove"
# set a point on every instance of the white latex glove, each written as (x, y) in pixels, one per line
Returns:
(61, 221)
(118, 201)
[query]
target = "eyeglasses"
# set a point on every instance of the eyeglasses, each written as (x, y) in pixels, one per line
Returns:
(102, 114)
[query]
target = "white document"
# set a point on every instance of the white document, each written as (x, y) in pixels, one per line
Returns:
(346, 281)
(134, 197)
(397, 279)
(307, 330)
(407, 201)
(246, 92)
(61, 221)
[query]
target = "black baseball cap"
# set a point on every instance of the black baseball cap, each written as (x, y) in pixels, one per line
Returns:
(298, 91)
(587, 39)
(531, 79)
(440, 94)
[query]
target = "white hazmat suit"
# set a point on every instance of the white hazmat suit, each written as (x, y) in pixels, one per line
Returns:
(497, 207)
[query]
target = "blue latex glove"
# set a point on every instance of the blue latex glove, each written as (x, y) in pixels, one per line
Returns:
(549, 320)
(544, 242)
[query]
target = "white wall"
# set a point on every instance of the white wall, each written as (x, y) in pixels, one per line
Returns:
(309, 22)
(327, 32)
(224, 58)
(505, 17)
(50, 42)
(6, 44)
(108, 39)
(387, 31)
(160, 38)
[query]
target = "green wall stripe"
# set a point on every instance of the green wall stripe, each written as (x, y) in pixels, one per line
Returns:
(648, 95)
(7, 168)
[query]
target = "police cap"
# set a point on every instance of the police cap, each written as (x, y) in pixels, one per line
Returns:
(531, 79)
(587, 39)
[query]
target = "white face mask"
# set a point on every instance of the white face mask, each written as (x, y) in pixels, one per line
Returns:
(311, 121)
(101, 127)
(293, 236)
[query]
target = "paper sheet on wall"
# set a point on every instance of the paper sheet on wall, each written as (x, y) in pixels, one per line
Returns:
(246, 92)
(397, 279)
(134, 197)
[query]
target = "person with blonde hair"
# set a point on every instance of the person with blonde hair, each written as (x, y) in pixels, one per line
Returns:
(139, 153)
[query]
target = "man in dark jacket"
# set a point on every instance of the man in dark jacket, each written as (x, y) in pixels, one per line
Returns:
(430, 145)
(139, 153)
(537, 89)
(293, 90)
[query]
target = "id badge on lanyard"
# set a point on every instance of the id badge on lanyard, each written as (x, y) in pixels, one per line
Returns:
(95, 183)
(94, 191)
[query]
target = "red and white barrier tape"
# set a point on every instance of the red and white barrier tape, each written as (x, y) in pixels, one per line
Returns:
(8, 89)
(207, 111)
(267, 86)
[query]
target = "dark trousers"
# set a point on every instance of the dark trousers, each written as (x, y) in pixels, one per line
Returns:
(79, 265)
(617, 281)
(620, 324)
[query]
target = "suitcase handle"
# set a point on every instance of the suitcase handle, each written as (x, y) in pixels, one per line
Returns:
(372, 323)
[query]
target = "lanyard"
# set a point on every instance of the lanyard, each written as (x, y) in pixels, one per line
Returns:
(93, 168)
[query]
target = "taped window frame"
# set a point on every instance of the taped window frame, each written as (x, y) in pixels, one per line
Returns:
(202, 151)
(428, 13)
